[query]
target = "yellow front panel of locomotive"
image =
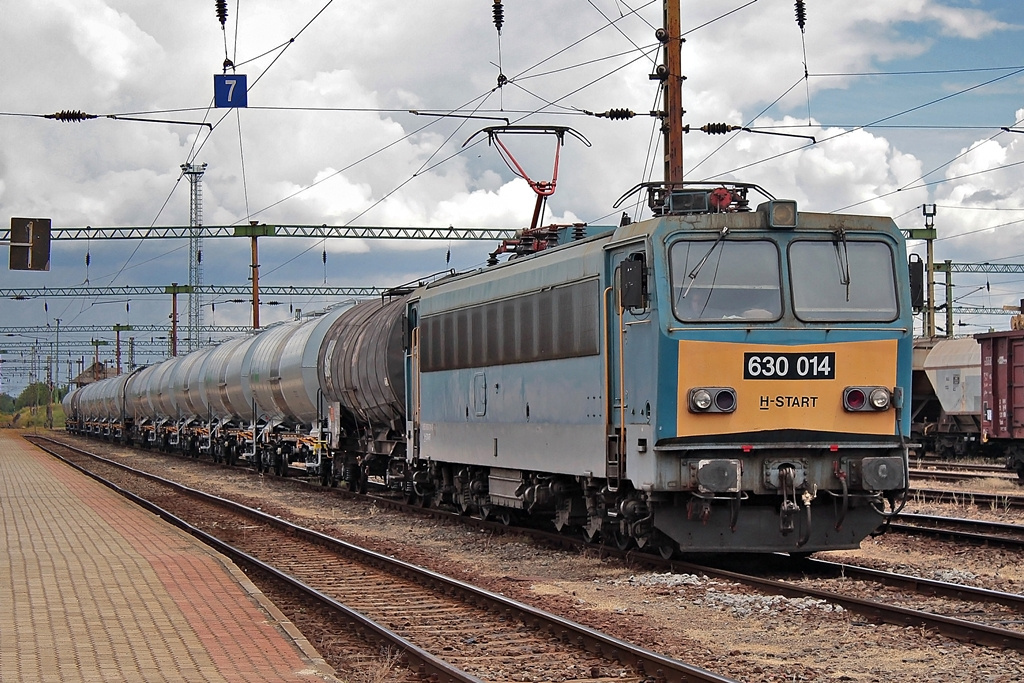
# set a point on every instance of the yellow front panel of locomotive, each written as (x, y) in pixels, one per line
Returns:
(797, 403)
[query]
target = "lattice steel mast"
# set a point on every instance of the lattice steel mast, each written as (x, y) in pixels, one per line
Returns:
(195, 253)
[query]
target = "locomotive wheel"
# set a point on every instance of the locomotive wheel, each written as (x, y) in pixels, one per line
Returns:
(505, 517)
(667, 549)
(622, 541)
(591, 536)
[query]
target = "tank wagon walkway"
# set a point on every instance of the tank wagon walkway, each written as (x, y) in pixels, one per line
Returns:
(93, 588)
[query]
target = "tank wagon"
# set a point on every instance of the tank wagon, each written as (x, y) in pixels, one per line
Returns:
(716, 378)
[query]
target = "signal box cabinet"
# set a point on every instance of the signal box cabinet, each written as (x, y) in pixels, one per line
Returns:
(1002, 384)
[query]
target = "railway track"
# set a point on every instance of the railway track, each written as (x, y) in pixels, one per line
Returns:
(992, 501)
(900, 609)
(451, 629)
(978, 532)
(962, 475)
(924, 463)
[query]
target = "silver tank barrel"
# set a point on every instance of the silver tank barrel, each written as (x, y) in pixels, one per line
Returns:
(362, 363)
(265, 371)
(103, 400)
(226, 388)
(283, 373)
(162, 396)
(70, 402)
(143, 391)
(186, 385)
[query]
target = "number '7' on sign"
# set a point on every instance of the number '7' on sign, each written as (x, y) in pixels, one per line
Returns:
(229, 90)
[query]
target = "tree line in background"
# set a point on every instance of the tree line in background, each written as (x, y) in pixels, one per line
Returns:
(35, 394)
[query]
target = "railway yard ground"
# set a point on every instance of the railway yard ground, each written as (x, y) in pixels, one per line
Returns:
(720, 625)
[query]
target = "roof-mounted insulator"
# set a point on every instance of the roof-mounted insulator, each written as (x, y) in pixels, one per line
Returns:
(499, 15)
(222, 11)
(69, 115)
(801, 15)
(616, 114)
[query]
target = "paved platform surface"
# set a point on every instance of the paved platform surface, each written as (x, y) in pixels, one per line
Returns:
(93, 588)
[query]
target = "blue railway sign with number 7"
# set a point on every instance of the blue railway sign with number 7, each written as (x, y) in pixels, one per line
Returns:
(229, 91)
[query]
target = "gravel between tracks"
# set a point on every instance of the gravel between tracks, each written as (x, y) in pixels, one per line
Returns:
(721, 626)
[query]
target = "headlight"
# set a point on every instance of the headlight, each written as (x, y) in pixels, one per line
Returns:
(712, 400)
(880, 398)
(700, 399)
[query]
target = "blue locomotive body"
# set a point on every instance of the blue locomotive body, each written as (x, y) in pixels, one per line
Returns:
(708, 381)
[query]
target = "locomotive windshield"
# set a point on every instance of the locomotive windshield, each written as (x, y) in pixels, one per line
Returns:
(726, 279)
(843, 280)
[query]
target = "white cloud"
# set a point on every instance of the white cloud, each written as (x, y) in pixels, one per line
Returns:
(316, 117)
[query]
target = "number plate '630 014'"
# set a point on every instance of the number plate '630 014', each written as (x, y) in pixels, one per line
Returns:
(789, 365)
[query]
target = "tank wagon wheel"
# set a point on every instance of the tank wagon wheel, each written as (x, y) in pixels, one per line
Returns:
(326, 472)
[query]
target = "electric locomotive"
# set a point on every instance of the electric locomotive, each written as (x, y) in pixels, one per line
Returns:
(716, 378)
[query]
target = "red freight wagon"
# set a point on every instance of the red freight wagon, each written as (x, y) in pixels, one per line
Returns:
(1002, 385)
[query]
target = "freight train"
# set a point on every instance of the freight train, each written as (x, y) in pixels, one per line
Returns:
(719, 378)
(968, 397)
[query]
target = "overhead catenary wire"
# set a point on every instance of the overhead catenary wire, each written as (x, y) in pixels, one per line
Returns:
(549, 111)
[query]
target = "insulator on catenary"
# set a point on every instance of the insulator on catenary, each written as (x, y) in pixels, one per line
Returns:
(222, 11)
(801, 14)
(718, 128)
(616, 114)
(68, 115)
(499, 15)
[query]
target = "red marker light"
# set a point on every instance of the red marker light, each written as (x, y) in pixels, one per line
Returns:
(855, 399)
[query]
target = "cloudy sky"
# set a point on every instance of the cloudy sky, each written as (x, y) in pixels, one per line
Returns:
(906, 100)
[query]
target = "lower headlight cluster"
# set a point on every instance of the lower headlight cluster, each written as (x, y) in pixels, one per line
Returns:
(857, 399)
(712, 400)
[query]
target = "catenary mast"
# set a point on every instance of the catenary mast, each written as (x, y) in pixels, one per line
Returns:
(671, 72)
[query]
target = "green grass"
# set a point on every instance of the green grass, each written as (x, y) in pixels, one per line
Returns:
(32, 418)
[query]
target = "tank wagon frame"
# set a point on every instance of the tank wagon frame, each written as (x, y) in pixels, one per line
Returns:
(716, 378)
